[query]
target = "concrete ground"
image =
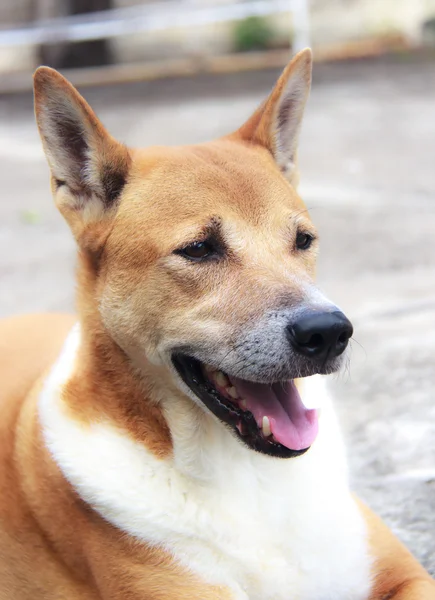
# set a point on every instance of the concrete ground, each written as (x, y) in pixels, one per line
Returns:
(368, 160)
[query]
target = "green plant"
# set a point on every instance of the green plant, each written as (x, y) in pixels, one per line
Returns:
(252, 33)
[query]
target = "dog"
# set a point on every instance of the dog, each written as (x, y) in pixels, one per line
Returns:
(178, 442)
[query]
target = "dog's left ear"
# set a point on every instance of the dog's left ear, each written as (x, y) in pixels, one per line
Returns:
(276, 124)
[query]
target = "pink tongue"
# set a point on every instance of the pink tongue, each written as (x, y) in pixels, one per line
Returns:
(292, 425)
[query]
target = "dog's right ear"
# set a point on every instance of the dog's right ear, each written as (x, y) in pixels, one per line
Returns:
(88, 167)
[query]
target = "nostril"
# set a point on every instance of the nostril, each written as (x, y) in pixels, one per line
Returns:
(315, 342)
(344, 337)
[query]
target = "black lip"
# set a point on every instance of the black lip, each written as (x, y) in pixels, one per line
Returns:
(189, 369)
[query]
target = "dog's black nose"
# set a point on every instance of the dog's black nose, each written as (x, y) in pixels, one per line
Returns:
(320, 334)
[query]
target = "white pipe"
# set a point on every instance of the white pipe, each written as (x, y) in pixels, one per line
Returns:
(301, 21)
(153, 17)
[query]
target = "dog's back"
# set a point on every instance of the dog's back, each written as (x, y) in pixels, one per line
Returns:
(28, 347)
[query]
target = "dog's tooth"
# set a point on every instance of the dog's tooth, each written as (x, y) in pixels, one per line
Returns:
(233, 392)
(243, 404)
(265, 426)
(221, 379)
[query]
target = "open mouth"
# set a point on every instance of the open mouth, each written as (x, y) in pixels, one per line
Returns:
(269, 417)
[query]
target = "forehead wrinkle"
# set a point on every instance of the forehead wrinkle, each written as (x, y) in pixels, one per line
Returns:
(211, 179)
(245, 177)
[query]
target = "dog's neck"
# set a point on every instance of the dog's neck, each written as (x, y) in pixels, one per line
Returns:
(103, 385)
(99, 385)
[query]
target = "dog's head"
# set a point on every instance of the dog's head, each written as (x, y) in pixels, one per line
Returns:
(203, 257)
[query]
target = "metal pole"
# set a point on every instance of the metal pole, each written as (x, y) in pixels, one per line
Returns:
(301, 21)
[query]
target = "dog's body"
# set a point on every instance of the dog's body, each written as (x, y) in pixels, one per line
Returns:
(118, 482)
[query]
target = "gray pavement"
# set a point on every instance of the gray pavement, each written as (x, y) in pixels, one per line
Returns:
(368, 161)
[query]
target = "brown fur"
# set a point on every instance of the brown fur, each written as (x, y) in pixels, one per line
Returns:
(52, 545)
(132, 293)
(397, 575)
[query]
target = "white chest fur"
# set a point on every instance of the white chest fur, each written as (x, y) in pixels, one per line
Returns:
(269, 529)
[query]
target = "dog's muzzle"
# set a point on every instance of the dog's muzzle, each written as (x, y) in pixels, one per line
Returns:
(250, 385)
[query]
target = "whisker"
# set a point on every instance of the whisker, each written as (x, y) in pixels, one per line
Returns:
(232, 349)
(305, 210)
(360, 345)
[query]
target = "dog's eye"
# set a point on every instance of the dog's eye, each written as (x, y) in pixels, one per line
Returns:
(303, 241)
(196, 251)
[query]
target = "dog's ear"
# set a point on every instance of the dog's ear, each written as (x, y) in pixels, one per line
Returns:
(88, 167)
(276, 124)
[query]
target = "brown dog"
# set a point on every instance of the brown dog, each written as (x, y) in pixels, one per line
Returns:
(168, 453)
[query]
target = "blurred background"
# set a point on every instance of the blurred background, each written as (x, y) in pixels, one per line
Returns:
(184, 71)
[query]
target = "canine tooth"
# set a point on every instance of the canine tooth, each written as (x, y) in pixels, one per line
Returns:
(265, 426)
(243, 404)
(221, 379)
(233, 392)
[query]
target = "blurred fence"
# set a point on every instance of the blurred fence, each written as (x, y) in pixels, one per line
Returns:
(161, 38)
(155, 17)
